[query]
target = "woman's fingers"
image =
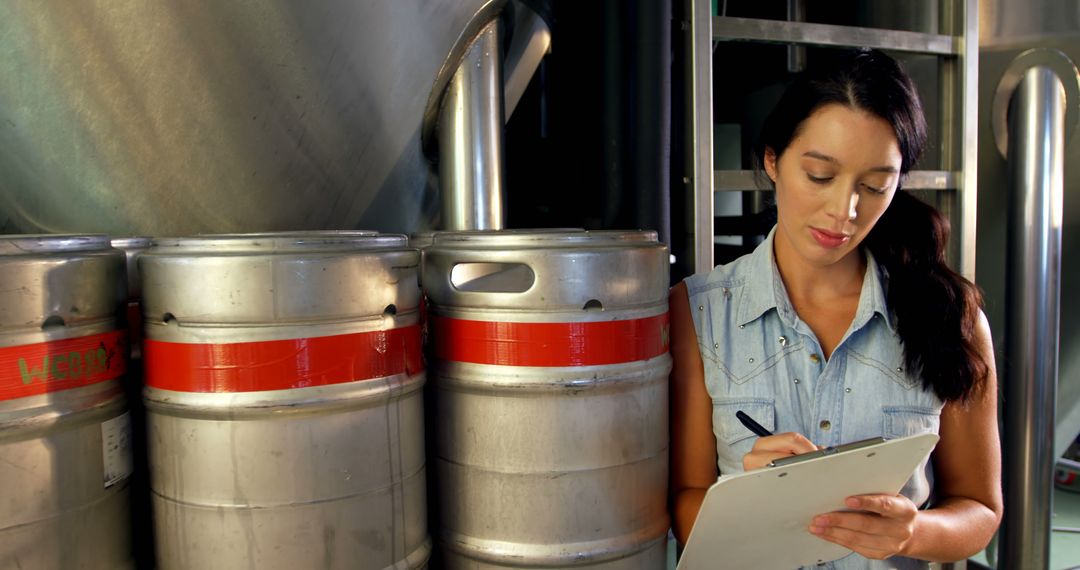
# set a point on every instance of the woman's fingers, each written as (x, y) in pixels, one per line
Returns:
(768, 449)
(880, 528)
(889, 506)
(792, 443)
(868, 545)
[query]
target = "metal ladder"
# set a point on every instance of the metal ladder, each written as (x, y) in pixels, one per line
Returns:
(956, 47)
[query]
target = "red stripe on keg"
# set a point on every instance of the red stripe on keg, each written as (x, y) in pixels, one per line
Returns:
(34, 369)
(282, 364)
(550, 344)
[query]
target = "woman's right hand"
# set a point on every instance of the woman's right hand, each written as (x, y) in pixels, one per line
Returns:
(768, 449)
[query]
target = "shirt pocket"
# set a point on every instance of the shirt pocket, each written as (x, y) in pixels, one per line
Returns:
(730, 430)
(747, 355)
(902, 421)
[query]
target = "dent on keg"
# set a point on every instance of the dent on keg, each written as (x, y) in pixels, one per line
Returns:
(549, 365)
(284, 401)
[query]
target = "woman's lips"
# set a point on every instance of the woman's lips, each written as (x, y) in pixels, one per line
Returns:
(829, 239)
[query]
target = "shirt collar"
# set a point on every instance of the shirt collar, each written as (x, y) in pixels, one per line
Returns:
(765, 289)
(872, 297)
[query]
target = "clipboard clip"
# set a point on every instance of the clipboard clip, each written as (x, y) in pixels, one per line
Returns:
(825, 452)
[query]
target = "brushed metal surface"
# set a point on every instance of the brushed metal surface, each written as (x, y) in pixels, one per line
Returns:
(554, 467)
(471, 138)
(1037, 170)
(56, 511)
(995, 64)
(1029, 20)
(324, 476)
(164, 118)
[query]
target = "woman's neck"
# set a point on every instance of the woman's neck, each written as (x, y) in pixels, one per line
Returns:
(825, 297)
(815, 283)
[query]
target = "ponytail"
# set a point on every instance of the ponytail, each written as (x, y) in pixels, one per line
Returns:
(935, 309)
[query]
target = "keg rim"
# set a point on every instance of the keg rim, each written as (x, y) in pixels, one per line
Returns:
(427, 237)
(131, 243)
(422, 239)
(552, 237)
(279, 242)
(34, 244)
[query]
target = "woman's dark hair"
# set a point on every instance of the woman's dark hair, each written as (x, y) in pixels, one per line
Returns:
(935, 310)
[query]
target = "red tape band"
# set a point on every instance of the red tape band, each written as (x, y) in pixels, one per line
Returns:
(282, 364)
(550, 344)
(42, 368)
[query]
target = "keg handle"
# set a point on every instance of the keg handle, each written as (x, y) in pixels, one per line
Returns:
(492, 277)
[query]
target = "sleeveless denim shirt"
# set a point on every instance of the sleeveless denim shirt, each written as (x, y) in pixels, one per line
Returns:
(759, 357)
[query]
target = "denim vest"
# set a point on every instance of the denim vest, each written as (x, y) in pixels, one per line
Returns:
(759, 357)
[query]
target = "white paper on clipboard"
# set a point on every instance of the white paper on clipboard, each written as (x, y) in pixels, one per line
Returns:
(760, 519)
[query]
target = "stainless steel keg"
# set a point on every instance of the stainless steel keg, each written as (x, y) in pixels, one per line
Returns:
(549, 368)
(65, 455)
(284, 402)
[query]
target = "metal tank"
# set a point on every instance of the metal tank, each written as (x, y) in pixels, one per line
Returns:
(284, 402)
(129, 118)
(65, 452)
(1028, 146)
(549, 374)
(1050, 31)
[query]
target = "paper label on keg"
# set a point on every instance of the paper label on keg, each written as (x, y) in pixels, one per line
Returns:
(116, 449)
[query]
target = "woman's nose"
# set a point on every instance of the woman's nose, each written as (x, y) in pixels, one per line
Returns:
(842, 204)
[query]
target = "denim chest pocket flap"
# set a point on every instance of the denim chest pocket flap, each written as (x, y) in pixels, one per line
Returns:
(730, 429)
(751, 352)
(902, 421)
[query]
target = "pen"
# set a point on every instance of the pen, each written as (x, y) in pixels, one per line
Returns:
(752, 425)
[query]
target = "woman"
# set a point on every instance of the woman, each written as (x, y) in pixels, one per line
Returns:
(844, 324)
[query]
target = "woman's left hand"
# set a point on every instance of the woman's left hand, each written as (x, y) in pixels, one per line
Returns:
(881, 527)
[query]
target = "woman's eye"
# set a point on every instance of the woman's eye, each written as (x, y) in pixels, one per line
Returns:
(818, 179)
(875, 190)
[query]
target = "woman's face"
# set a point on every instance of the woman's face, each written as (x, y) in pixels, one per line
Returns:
(833, 182)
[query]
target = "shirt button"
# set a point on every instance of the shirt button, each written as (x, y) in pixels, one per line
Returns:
(815, 358)
(825, 425)
(783, 341)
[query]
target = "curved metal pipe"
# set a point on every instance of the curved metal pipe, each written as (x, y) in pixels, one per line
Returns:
(471, 138)
(530, 42)
(1036, 165)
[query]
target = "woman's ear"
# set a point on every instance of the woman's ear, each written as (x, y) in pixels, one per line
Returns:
(770, 164)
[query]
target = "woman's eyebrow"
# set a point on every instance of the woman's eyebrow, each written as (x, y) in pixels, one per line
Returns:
(827, 158)
(819, 156)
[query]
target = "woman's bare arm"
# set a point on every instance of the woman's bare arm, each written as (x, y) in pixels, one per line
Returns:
(693, 446)
(967, 473)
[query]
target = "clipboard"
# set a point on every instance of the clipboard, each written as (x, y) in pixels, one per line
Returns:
(760, 519)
